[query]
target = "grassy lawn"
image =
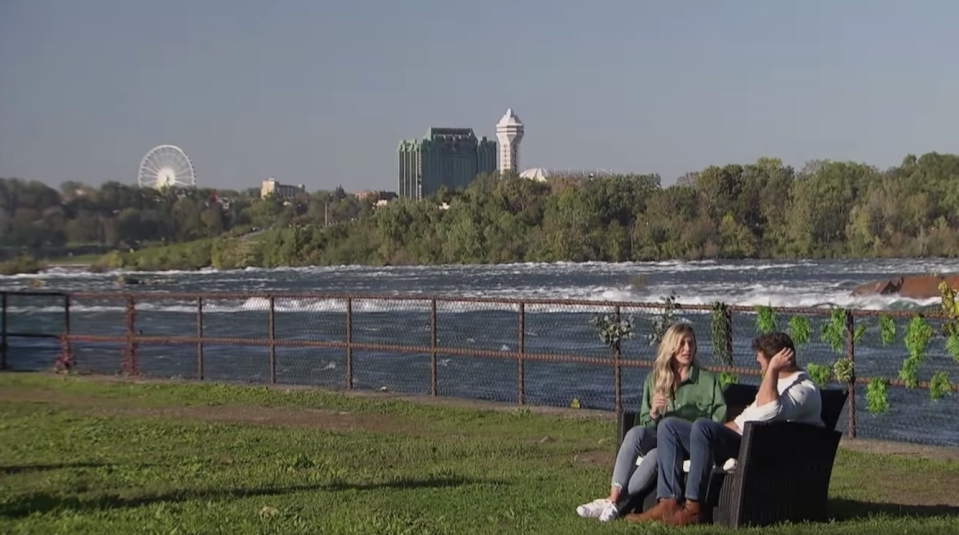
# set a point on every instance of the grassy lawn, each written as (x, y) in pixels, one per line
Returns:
(84, 455)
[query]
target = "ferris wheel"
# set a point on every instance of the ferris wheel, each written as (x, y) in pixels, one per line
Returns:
(166, 166)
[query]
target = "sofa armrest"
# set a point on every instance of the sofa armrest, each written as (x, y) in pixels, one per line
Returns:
(782, 474)
(625, 422)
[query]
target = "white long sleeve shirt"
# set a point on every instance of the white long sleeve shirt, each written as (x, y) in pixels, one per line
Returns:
(799, 401)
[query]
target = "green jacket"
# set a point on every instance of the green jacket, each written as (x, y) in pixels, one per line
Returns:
(699, 396)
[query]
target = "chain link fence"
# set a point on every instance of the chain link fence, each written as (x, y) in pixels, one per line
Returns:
(536, 352)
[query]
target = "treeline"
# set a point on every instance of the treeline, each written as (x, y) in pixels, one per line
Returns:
(760, 210)
(36, 217)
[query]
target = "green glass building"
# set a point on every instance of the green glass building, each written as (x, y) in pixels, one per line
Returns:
(450, 157)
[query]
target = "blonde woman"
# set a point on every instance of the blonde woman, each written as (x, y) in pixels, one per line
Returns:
(678, 387)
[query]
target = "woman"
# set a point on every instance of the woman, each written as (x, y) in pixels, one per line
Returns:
(678, 387)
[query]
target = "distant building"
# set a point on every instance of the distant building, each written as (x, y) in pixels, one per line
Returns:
(509, 133)
(373, 196)
(541, 175)
(280, 191)
(537, 173)
(450, 157)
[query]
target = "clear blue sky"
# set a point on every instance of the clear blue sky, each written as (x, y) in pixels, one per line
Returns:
(321, 91)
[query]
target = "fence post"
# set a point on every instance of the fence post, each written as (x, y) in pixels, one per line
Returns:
(851, 356)
(617, 369)
(199, 338)
(3, 334)
(728, 338)
(433, 378)
(349, 343)
(67, 346)
(521, 349)
(130, 357)
(271, 325)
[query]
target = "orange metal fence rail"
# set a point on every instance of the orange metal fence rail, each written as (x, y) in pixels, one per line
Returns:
(132, 339)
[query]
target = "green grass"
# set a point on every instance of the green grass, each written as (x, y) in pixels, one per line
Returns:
(84, 455)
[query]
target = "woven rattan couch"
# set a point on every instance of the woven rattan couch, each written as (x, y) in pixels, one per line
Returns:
(781, 474)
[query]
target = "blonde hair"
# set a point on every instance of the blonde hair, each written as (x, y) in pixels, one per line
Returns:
(664, 378)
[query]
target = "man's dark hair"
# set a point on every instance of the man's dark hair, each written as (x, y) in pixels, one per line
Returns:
(772, 343)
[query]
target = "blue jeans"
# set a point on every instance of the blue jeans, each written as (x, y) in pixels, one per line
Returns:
(626, 475)
(704, 442)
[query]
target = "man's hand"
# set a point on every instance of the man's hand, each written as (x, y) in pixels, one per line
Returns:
(782, 360)
(768, 391)
(657, 405)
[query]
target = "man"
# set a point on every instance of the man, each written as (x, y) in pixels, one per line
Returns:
(785, 394)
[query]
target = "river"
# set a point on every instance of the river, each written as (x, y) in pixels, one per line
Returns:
(548, 329)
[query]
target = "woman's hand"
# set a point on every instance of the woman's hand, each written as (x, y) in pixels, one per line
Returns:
(657, 405)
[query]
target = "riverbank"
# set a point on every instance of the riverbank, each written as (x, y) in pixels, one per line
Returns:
(318, 246)
(87, 455)
(303, 247)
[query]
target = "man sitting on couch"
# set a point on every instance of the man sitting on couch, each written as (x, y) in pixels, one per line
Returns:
(785, 394)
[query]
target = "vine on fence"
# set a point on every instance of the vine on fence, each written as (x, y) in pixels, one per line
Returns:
(939, 385)
(819, 373)
(799, 330)
(876, 400)
(726, 378)
(833, 333)
(665, 320)
(612, 331)
(950, 329)
(887, 329)
(766, 319)
(843, 369)
(722, 333)
(918, 334)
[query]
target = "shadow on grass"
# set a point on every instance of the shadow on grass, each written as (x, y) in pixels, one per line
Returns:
(841, 509)
(45, 502)
(26, 468)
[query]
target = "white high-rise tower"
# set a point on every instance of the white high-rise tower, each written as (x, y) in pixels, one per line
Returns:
(509, 133)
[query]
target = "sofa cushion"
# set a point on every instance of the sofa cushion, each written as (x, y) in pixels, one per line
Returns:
(727, 467)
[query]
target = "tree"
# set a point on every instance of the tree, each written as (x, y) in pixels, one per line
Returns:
(758, 209)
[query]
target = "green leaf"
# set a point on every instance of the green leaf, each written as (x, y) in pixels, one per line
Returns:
(939, 385)
(908, 372)
(918, 335)
(843, 370)
(819, 373)
(766, 319)
(833, 332)
(799, 330)
(660, 325)
(726, 378)
(952, 346)
(887, 329)
(877, 400)
(858, 333)
(612, 332)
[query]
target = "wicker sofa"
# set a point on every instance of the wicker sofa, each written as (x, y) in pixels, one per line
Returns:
(760, 489)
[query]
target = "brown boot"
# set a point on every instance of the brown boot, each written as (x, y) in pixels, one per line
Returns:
(663, 509)
(689, 514)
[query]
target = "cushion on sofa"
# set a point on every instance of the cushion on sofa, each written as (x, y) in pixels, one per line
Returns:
(727, 467)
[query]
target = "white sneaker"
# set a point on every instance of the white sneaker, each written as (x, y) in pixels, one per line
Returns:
(609, 512)
(594, 508)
